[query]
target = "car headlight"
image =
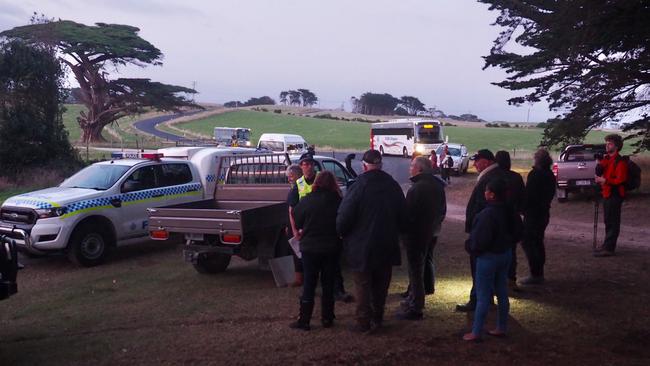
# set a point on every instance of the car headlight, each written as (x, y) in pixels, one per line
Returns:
(248, 143)
(45, 213)
(419, 148)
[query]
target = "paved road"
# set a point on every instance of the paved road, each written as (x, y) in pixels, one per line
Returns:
(149, 126)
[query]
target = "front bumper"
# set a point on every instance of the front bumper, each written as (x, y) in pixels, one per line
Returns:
(39, 239)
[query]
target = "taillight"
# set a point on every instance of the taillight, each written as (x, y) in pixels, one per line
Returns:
(231, 238)
(555, 170)
(372, 141)
(161, 234)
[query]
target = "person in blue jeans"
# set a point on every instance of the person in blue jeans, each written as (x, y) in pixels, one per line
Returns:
(494, 231)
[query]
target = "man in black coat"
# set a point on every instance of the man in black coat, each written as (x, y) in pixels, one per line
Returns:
(370, 219)
(425, 202)
(485, 164)
(515, 195)
(540, 190)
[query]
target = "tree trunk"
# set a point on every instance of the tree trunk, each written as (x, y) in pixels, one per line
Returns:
(92, 133)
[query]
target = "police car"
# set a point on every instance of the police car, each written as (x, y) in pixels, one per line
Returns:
(105, 204)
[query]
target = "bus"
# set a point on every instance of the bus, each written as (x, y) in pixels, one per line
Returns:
(406, 136)
(233, 136)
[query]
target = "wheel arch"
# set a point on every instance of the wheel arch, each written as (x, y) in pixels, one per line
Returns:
(97, 221)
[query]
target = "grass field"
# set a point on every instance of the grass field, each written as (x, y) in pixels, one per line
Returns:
(355, 135)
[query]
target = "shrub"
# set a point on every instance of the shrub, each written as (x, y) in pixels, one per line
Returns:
(278, 111)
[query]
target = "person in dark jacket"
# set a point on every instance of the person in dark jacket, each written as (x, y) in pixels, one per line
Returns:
(315, 219)
(424, 201)
(488, 169)
(515, 196)
(540, 190)
(494, 231)
(370, 219)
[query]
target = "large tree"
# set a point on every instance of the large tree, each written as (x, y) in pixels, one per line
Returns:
(589, 59)
(89, 51)
(412, 105)
(375, 104)
(31, 107)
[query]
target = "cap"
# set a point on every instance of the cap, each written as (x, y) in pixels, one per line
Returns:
(372, 157)
(306, 158)
(483, 154)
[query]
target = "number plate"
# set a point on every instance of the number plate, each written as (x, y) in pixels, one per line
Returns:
(583, 182)
(195, 237)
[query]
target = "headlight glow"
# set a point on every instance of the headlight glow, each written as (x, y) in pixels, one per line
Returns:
(44, 213)
(419, 148)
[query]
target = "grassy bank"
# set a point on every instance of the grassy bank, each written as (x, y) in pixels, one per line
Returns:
(355, 135)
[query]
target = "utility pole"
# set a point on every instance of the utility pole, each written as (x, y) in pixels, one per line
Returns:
(193, 88)
(528, 115)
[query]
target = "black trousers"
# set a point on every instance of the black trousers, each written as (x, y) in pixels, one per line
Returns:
(512, 269)
(535, 224)
(421, 272)
(321, 265)
(371, 289)
(612, 217)
(429, 269)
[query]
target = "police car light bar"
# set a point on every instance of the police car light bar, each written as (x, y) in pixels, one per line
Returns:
(136, 155)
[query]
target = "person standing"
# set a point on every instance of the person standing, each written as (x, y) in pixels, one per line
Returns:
(320, 246)
(445, 165)
(435, 169)
(488, 169)
(540, 190)
(494, 230)
(370, 219)
(294, 172)
(424, 202)
(615, 174)
(515, 194)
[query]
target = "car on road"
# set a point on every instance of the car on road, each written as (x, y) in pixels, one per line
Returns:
(459, 155)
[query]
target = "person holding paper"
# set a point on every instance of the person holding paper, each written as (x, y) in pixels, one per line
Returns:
(320, 246)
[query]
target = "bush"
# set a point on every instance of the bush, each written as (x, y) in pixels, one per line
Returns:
(278, 111)
(504, 124)
(449, 124)
(541, 125)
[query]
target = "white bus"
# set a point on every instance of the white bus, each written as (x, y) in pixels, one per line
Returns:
(233, 136)
(405, 136)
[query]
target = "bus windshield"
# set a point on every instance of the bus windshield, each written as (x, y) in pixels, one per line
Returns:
(243, 134)
(429, 133)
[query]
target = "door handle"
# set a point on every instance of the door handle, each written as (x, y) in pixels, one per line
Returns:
(116, 202)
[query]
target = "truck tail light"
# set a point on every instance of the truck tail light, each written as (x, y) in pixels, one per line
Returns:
(372, 140)
(160, 234)
(555, 170)
(231, 238)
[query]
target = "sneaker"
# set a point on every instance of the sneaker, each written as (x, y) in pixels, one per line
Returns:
(532, 280)
(604, 253)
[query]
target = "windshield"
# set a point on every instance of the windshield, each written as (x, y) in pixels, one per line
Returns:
(243, 134)
(454, 151)
(272, 145)
(429, 134)
(96, 177)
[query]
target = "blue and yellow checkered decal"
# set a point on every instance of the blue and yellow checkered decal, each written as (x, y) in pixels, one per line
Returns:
(130, 198)
(211, 178)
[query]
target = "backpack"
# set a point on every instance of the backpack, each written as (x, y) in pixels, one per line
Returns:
(633, 174)
(450, 162)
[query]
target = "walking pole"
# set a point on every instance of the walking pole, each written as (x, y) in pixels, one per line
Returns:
(596, 205)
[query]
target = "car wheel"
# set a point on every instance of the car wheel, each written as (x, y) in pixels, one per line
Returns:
(405, 152)
(211, 263)
(88, 246)
(381, 150)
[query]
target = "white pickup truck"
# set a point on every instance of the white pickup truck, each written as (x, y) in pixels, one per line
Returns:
(105, 204)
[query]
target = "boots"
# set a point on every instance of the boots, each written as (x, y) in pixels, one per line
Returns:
(327, 313)
(298, 281)
(306, 309)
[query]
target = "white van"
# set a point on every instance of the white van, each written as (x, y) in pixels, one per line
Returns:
(283, 143)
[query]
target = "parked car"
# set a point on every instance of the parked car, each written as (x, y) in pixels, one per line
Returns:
(575, 169)
(459, 155)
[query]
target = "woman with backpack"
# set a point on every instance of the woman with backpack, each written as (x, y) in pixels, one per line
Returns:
(446, 163)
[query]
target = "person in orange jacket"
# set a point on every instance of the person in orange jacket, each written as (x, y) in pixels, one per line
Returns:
(614, 175)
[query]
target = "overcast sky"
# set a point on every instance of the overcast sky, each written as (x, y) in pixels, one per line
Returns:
(237, 49)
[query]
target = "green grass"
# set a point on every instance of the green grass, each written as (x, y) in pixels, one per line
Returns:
(337, 134)
(355, 135)
(10, 192)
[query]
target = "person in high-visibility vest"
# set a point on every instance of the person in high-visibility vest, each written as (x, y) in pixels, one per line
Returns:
(300, 190)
